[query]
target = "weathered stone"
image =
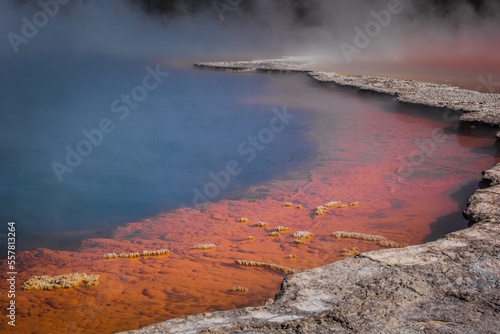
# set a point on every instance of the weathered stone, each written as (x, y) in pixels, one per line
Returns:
(492, 175)
(295, 64)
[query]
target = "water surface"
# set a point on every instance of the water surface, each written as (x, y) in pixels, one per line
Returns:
(411, 168)
(158, 155)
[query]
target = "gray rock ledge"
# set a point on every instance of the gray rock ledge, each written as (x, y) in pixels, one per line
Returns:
(451, 285)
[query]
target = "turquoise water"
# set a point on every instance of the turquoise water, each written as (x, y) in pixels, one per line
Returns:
(188, 136)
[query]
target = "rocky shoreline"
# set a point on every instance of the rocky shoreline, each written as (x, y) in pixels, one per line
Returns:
(451, 285)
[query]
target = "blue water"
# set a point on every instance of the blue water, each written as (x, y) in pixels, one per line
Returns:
(157, 158)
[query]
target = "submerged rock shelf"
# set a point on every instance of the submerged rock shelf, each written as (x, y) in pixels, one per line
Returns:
(448, 286)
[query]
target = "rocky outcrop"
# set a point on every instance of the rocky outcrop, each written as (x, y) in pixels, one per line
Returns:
(451, 285)
(484, 204)
(295, 64)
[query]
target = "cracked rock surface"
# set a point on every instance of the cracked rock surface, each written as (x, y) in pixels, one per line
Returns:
(451, 285)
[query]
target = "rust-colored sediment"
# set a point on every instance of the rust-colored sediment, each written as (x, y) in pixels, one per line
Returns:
(146, 290)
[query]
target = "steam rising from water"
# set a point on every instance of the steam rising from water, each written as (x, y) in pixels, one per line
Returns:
(424, 33)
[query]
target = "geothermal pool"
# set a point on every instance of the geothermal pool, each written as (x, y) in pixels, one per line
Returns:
(83, 150)
(412, 168)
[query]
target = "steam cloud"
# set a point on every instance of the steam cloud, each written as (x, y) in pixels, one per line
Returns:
(426, 32)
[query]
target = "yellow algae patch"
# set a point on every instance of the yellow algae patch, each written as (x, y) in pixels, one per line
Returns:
(303, 235)
(243, 220)
(392, 244)
(121, 256)
(350, 252)
(292, 256)
(299, 207)
(204, 246)
(261, 224)
(320, 210)
(66, 281)
(158, 252)
(360, 236)
(144, 253)
(270, 266)
(239, 289)
(381, 240)
(251, 237)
